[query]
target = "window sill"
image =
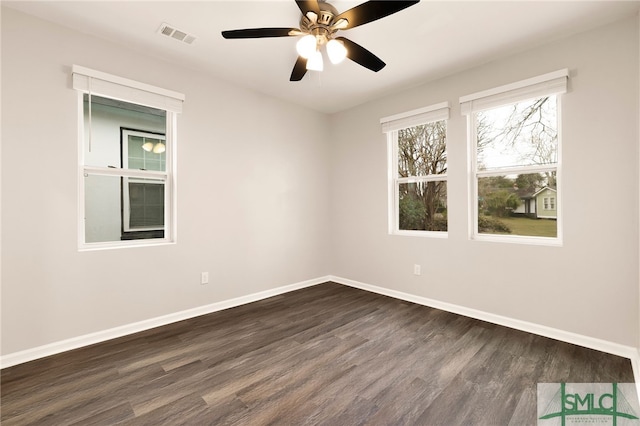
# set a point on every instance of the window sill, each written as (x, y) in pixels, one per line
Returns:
(512, 239)
(422, 234)
(123, 245)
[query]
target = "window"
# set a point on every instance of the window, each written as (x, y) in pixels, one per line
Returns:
(549, 203)
(143, 199)
(417, 146)
(126, 161)
(515, 160)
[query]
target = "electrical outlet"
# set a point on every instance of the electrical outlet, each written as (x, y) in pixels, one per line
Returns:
(204, 278)
(416, 270)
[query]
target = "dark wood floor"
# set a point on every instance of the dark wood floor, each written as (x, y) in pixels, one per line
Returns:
(328, 354)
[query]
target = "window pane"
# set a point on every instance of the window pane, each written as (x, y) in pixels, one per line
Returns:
(422, 206)
(119, 208)
(102, 208)
(146, 205)
(102, 140)
(523, 134)
(518, 205)
(422, 150)
(145, 151)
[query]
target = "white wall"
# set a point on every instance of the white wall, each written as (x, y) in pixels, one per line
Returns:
(589, 285)
(244, 212)
(247, 218)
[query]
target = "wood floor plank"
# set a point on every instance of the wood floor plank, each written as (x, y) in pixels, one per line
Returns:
(325, 355)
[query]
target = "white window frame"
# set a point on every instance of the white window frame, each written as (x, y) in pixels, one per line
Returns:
(553, 83)
(126, 207)
(390, 126)
(92, 82)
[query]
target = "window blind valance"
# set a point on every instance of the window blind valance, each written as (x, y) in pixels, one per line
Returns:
(553, 83)
(102, 84)
(415, 117)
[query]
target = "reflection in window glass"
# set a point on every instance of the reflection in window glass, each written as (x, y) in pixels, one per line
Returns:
(122, 138)
(102, 141)
(143, 205)
(102, 208)
(516, 169)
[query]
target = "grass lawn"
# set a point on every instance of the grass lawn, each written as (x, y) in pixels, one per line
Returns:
(531, 227)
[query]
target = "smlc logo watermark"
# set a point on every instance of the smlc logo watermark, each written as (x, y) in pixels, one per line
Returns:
(564, 404)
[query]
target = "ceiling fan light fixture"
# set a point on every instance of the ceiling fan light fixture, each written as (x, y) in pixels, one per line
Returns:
(314, 63)
(318, 26)
(306, 46)
(340, 24)
(336, 51)
(147, 146)
(159, 148)
(312, 16)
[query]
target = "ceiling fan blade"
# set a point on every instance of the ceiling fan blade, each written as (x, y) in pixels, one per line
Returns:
(371, 11)
(299, 69)
(308, 6)
(261, 33)
(362, 56)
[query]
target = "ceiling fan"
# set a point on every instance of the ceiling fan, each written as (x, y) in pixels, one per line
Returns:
(319, 24)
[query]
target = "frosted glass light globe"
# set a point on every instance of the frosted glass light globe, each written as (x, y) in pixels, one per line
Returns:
(314, 63)
(336, 51)
(306, 46)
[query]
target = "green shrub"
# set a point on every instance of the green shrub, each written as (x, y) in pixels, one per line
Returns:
(412, 213)
(488, 224)
(438, 224)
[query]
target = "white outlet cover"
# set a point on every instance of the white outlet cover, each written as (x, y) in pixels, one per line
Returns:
(416, 269)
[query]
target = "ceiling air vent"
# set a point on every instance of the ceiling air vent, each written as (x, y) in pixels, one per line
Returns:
(170, 31)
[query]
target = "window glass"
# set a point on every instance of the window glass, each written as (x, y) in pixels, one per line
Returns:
(102, 212)
(125, 171)
(514, 204)
(516, 169)
(421, 185)
(522, 134)
(143, 150)
(103, 124)
(422, 150)
(146, 205)
(422, 206)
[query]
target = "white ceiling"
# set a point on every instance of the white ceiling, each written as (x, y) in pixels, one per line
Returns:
(424, 42)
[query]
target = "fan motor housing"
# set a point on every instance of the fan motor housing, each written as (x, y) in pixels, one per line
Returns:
(321, 27)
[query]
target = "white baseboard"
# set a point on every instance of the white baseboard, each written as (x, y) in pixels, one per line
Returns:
(553, 333)
(565, 336)
(101, 336)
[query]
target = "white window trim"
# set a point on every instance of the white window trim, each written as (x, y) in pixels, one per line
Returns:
(553, 83)
(415, 117)
(98, 83)
(390, 126)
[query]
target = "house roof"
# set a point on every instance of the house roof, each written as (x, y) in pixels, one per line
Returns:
(528, 193)
(542, 189)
